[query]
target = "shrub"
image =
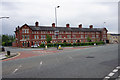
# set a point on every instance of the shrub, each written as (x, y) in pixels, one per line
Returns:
(42, 45)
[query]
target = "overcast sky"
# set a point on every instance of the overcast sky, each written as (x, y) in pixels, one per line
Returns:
(74, 12)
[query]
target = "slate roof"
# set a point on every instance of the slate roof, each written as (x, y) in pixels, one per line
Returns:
(115, 34)
(49, 28)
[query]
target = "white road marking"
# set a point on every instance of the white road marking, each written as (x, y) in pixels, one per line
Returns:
(41, 63)
(111, 74)
(115, 70)
(118, 67)
(107, 77)
(70, 57)
(17, 69)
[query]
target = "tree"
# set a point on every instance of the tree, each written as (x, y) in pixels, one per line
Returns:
(48, 38)
(7, 40)
(88, 39)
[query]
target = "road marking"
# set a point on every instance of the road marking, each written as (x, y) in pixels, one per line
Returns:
(115, 70)
(118, 67)
(107, 77)
(70, 57)
(41, 63)
(17, 69)
(111, 74)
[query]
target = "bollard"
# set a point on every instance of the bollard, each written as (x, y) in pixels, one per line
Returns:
(8, 53)
(46, 47)
(59, 47)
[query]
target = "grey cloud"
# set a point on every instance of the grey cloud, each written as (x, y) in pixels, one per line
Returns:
(73, 12)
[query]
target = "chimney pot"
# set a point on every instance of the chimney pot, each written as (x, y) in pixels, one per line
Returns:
(36, 24)
(80, 26)
(67, 25)
(91, 26)
(16, 28)
(53, 24)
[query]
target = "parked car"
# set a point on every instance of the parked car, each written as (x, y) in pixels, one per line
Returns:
(35, 46)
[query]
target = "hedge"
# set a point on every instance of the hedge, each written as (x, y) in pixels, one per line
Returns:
(71, 44)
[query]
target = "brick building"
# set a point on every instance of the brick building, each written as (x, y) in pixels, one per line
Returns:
(27, 35)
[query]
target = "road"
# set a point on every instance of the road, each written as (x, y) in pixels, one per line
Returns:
(93, 62)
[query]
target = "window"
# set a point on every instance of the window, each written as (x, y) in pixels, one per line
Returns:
(93, 36)
(37, 36)
(68, 36)
(27, 30)
(97, 32)
(82, 36)
(86, 36)
(28, 37)
(104, 36)
(22, 36)
(53, 36)
(23, 44)
(23, 31)
(74, 36)
(97, 36)
(34, 36)
(82, 33)
(92, 33)
(41, 36)
(60, 36)
(25, 37)
(104, 32)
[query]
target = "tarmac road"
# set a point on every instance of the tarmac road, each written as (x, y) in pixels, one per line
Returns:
(94, 62)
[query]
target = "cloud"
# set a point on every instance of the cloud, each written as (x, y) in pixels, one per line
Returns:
(73, 12)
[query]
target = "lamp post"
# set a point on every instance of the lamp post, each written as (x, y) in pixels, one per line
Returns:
(56, 14)
(56, 32)
(104, 24)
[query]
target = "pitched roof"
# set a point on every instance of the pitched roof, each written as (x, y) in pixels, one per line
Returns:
(49, 28)
(115, 34)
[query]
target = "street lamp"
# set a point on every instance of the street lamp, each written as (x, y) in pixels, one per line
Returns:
(3, 17)
(56, 32)
(56, 14)
(104, 24)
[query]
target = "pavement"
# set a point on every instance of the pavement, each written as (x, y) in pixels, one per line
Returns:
(77, 62)
(3, 55)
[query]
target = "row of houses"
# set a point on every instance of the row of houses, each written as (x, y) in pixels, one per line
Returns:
(28, 35)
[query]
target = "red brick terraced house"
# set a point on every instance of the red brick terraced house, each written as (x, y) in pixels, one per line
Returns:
(27, 35)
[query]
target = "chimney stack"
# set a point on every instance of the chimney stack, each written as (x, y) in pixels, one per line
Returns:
(91, 26)
(18, 27)
(53, 24)
(67, 25)
(36, 24)
(80, 26)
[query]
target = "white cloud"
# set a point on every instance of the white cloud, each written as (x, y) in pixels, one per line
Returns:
(73, 12)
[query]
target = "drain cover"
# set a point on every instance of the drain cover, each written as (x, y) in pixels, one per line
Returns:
(90, 57)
